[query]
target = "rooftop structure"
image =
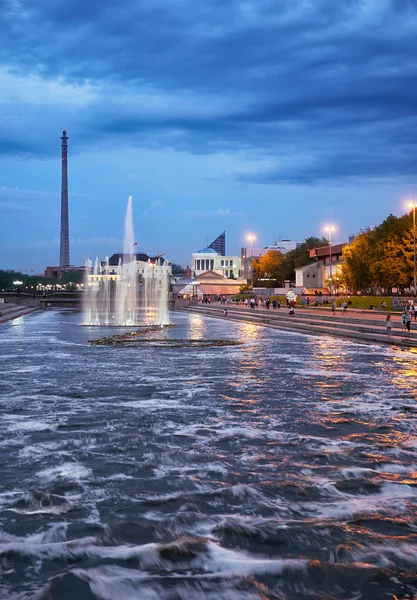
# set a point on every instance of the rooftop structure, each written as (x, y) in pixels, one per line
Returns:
(219, 244)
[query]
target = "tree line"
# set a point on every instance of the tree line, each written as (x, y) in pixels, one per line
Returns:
(274, 267)
(378, 259)
(381, 257)
(8, 277)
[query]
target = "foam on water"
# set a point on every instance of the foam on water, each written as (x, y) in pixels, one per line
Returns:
(282, 469)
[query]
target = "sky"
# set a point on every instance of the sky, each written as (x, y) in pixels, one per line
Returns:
(269, 117)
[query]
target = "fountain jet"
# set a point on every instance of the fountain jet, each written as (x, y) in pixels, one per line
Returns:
(123, 297)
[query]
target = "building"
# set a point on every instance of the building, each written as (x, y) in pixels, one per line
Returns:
(210, 284)
(285, 246)
(219, 244)
(57, 272)
(113, 266)
(316, 276)
(208, 259)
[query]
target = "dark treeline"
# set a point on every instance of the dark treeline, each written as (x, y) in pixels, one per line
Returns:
(31, 281)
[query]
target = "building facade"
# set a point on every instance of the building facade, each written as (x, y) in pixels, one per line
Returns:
(317, 276)
(146, 266)
(208, 259)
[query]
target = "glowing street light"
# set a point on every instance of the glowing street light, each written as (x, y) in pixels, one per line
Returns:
(412, 205)
(251, 239)
(330, 229)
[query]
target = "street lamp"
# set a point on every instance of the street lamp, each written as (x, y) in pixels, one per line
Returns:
(412, 205)
(251, 239)
(330, 229)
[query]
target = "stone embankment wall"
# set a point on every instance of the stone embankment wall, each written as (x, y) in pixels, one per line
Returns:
(366, 326)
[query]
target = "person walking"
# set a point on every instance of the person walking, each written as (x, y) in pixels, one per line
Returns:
(408, 320)
(403, 321)
(334, 307)
(388, 325)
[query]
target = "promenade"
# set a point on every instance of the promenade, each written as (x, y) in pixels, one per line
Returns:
(14, 311)
(366, 326)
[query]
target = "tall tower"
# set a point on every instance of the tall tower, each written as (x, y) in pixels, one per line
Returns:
(64, 256)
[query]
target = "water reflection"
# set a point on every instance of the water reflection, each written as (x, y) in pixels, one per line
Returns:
(197, 327)
(248, 331)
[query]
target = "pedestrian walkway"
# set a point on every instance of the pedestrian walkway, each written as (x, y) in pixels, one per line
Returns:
(13, 311)
(354, 324)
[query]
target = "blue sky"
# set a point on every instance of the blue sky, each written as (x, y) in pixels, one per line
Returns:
(262, 116)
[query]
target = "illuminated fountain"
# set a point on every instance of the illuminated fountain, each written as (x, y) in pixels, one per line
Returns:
(130, 293)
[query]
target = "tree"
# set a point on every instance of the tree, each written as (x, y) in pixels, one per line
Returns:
(299, 257)
(407, 249)
(245, 287)
(270, 267)
(177, 269)
(389, 266)
(357, 262)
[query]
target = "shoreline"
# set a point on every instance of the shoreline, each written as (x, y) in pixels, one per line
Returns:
(14, 311)
(353, 326)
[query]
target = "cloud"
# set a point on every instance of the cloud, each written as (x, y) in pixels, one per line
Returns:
(152, 207)
(99, 242)
(220, 212)
(325, 89)
(10, 206)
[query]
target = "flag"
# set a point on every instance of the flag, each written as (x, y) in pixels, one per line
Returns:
(135, 244)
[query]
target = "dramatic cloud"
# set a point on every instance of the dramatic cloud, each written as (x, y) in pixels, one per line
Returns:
(324, 88)
(257, 105)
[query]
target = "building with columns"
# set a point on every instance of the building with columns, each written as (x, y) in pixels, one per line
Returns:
(208, 259)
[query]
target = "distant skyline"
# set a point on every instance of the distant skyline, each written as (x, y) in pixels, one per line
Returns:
(249, 116)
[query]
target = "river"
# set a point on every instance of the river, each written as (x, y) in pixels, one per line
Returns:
(283, 468)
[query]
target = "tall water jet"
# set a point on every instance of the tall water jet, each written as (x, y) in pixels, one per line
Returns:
(126, 290)
(117, 294)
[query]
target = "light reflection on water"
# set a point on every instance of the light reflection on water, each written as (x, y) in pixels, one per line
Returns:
(197, 327)
(244, 458)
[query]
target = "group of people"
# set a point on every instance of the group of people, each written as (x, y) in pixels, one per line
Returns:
(343, 307)
(409, 312)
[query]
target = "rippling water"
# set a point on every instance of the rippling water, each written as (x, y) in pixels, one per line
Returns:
(285, 468)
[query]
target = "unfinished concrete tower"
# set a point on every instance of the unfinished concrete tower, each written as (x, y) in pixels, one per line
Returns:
(64, 254)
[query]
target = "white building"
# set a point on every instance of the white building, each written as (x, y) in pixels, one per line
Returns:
(146, 266)
(208, 259)
(285, 246)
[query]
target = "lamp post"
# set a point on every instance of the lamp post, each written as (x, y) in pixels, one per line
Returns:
(413, 206)
(330, 230)
(251, 239)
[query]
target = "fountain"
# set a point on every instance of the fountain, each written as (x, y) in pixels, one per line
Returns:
(122, 296)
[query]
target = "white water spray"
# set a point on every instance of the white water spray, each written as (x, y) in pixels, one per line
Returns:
(122, 296)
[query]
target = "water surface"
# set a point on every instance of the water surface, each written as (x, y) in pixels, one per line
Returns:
(284, 468)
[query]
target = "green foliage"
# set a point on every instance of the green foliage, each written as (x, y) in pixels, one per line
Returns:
(269, 269)
(381, 257)
(31, 281)
(276, 267)
(245, 287)
(177, 269)
(365, 302)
